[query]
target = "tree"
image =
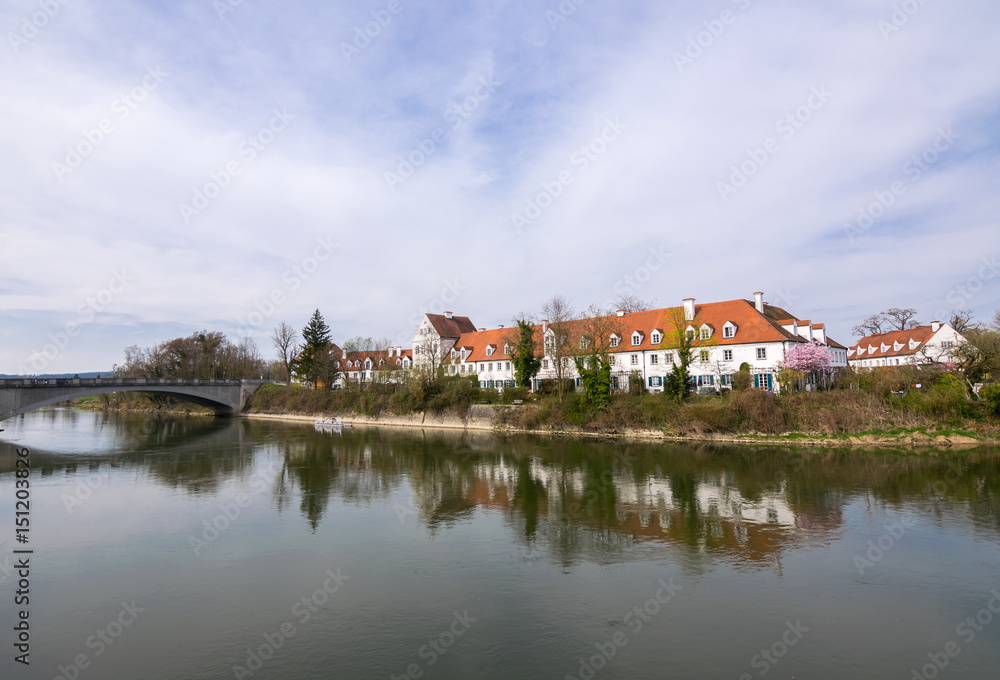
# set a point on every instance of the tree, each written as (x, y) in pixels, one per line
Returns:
(978, 357)
(678, 383)
(892, 319)
(522, 355)
(962, 320)
(629, 303)
(283, 340)
(996, 321)
(593, 362)
(559, 314)
(316, 344)
(807, 357)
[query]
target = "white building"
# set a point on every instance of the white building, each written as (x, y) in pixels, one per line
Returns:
(934, 343)
(728, 334)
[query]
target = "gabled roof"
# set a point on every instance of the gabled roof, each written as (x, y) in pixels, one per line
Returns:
(919, 335)
(453, 327)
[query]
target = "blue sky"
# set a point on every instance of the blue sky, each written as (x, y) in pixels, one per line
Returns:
(672, 149)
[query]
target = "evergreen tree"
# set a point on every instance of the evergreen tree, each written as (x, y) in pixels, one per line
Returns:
(526, 364)
(311, 360)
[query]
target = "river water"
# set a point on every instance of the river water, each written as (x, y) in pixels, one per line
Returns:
(213, 548)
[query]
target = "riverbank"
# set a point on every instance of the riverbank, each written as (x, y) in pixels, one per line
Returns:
(915, 439)
(835, 418)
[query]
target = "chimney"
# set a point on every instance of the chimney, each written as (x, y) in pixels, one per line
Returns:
(758, 301)
(447, 315)
(500, 326)
(621, 312)
(481, 330)
(935, 326)
(688, 309)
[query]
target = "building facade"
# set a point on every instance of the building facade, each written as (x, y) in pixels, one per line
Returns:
(934, 343)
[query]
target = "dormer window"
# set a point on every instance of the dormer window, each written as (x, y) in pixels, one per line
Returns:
(584, 343)
(706, 332)
(368, 364)
(489, 350)
(656, 337)
(615, 339)
(463, 354)
(637, 339)
(506, 348)
(337, 363)
(381, 362)
(690, 332)
(729, 330)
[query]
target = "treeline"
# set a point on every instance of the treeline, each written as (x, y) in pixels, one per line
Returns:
(207, 355)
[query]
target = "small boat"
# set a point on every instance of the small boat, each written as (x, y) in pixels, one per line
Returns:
(331, 422)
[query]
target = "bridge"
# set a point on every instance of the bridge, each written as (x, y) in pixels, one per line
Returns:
(224, 397)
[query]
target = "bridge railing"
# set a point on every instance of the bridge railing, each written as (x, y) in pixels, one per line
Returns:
(105, 382)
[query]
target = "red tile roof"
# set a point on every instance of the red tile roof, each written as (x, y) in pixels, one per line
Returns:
(752, 327)
(453, 327)
(920, 334)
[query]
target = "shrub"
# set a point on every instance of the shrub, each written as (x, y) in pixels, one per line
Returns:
(759, 410)
(990, 396)
(742, 380)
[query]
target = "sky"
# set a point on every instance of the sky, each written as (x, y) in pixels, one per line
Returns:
(170, 167)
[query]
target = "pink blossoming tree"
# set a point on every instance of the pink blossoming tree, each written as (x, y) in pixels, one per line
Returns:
(808, 357)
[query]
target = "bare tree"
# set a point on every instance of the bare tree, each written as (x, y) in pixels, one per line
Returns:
(283, 339)
(900, 319)
(892, 319)
(996, 321)
(870, 326)
(961, 320)
(560, 314)
(629, 302)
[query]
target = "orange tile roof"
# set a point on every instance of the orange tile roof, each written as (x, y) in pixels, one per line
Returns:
(752, 327)
(920, 334)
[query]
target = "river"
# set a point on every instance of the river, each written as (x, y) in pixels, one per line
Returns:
(231, 548)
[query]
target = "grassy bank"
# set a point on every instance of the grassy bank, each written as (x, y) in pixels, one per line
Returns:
(941, 409)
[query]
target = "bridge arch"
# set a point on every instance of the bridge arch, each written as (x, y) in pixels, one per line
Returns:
(224, 397)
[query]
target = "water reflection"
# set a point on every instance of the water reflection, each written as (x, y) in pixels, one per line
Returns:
(575, 500)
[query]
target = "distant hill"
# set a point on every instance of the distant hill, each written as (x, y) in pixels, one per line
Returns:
(92, 374)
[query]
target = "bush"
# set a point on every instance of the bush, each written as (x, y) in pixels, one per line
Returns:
(759, 410)
(990, 396)
(742, 380)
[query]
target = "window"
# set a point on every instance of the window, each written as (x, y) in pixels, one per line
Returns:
(489, 350)
(506, 348)
(656, 338)
(583, 342)
(706, 333)
(761, 353)
(491, 367)
(482, 367)
(669, 357)
(636, 339)
(727, 355)
(654, 359)
(690, 335)
(703, 355)
(729, 331)
(507, 365)
(462, 367)
(545, 363)
(614, 340)
(611, 361)
(947, 344)
(635, 359)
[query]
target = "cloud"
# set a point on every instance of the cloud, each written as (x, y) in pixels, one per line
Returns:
(703, 92)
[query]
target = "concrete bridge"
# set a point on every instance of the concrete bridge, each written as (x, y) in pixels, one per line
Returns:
(224, 397)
